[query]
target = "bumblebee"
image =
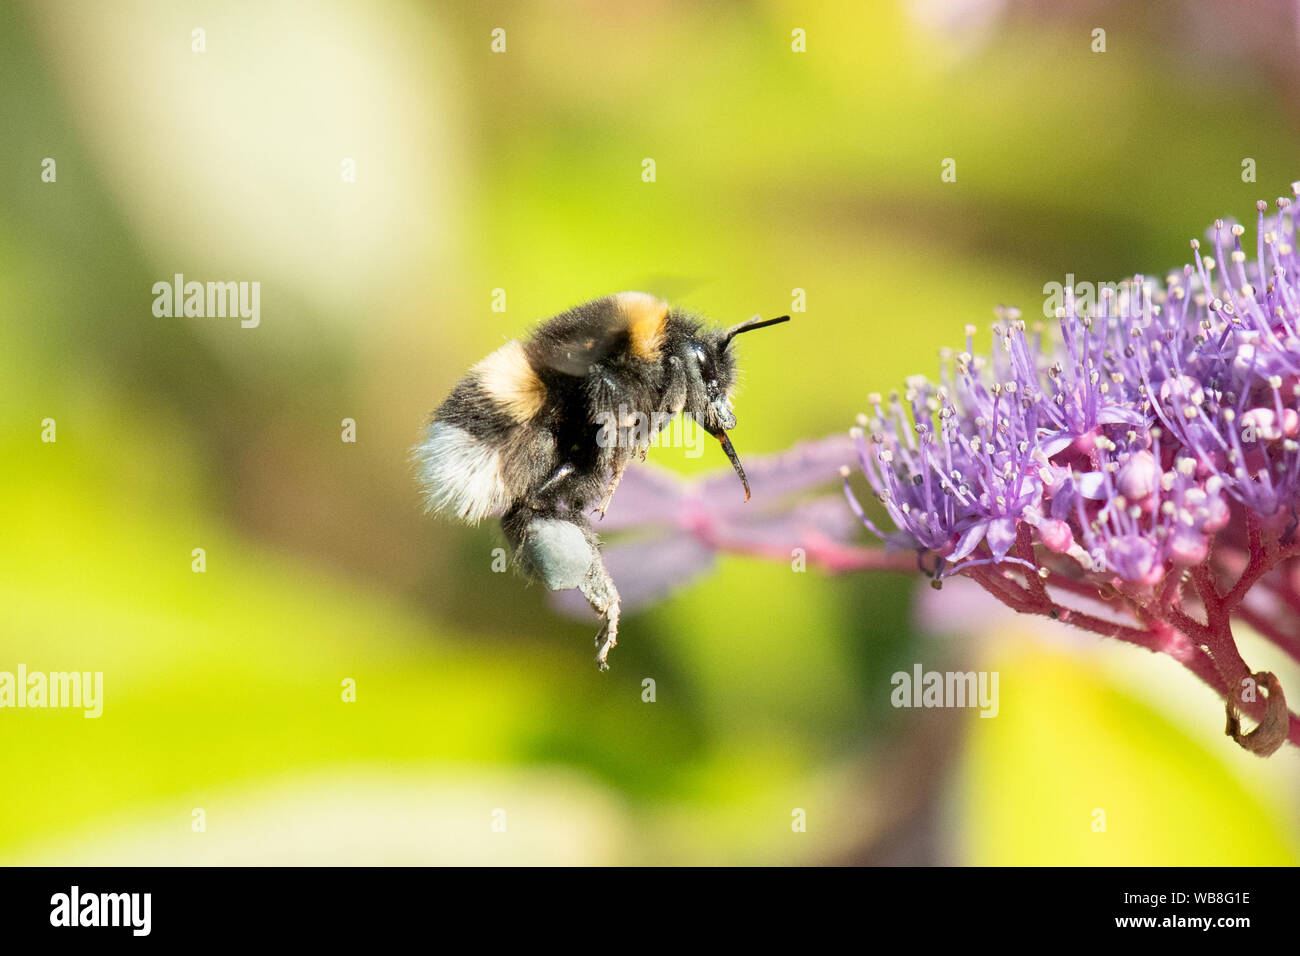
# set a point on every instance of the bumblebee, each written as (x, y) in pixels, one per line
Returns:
(542, 428)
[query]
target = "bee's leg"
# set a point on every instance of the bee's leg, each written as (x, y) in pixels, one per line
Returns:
(619, 468)
(563, 552)
(675, 393)
(599, 590)
(564, 471)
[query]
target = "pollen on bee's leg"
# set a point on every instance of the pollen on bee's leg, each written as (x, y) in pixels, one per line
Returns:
(557, 553)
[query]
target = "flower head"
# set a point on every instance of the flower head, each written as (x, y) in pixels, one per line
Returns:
(1123, 436)
(1144, 439)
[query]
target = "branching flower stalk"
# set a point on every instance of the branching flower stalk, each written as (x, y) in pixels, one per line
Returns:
(1132, 469)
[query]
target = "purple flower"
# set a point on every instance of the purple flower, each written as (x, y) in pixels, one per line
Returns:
(1136, 444)
(1123, 438)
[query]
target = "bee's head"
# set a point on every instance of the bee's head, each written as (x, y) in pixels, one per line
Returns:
(711, 374)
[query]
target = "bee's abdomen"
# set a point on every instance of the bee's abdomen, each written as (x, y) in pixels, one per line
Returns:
(461, 474)
(469, 462)
(509, 383)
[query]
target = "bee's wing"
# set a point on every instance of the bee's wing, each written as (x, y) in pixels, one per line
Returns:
(670, 287)
(586, 335)
(573, 349)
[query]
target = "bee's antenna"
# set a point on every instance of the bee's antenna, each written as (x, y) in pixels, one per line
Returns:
(721, 436)
(749, 325)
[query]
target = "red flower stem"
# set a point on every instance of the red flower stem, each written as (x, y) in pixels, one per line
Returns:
(1022, 600)
(1025, 550)
(1216, 635)
(1060, 582)
(1263, 558)
(1179, 641)
(1207, 649)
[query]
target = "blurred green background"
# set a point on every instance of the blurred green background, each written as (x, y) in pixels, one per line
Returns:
(775, 170)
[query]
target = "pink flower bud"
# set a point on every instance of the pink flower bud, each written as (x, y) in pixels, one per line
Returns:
(1187, 547)
(1055, 535)
(1138, 476)
(1216, 516)
(1260, 424)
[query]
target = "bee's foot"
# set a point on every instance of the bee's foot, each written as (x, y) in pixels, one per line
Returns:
(606, 641)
